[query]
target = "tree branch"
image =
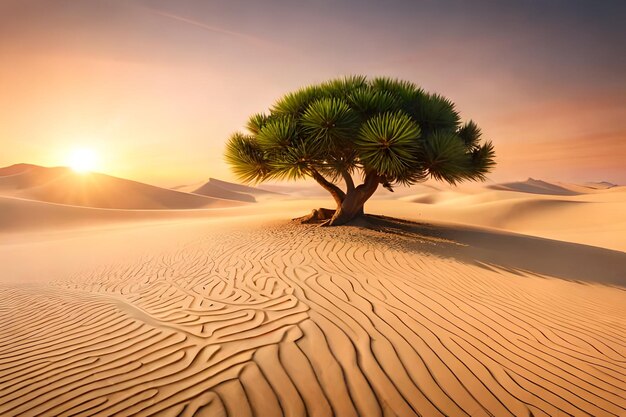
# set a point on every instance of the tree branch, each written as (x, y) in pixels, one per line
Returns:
(348, 179)
(369, 186)
(335, 191)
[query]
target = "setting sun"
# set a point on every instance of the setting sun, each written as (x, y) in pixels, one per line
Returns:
(83, 160)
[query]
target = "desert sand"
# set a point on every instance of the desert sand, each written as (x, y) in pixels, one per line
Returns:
(499, 301)
(61, 185)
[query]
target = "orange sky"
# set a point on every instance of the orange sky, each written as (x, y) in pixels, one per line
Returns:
(156, 87)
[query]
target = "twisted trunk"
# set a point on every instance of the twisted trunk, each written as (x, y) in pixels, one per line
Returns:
(351, 206)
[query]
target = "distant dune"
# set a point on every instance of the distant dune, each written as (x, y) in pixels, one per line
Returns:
(602, 185)
(561, 211)
(222, 189)
(209, 189)
(241, 188)
(63, 186)
(533, 186)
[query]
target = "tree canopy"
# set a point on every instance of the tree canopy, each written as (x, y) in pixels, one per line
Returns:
(387, 130)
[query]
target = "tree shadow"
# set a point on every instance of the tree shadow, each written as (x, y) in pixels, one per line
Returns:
(510, 251)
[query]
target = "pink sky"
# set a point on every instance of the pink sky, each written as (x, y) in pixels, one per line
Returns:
(156, 87)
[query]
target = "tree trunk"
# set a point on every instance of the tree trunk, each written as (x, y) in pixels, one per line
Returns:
(349, 205)
(352, 205)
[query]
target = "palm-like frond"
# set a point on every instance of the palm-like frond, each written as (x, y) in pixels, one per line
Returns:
(277, 133)
(256, 122)
(434, 112)
(343, 87)
(400, 88)
(411, 176)
(332, 164)
(470, 134)
(330, 121)
(246, 158)
(294, 162)
(294, 104)
(445, 158)
(367, 102)
(388, 143)
(482, 161)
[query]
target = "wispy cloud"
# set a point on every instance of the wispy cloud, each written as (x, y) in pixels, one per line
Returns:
(216, 29)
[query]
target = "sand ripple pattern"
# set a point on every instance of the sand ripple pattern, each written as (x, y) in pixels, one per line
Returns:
(300, 321)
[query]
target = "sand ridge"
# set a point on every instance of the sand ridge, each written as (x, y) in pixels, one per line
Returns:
(290, 320)
(583, 215)
(228, 190)
(63, 186)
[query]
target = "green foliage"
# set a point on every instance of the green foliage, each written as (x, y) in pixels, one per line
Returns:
(293, 162)
(403, 90)
(434, 113)
(256, 122)
(470, 134)
(247, 159)
(367, 102)
(330, 121)
(483, 160)
(445, 157)
(278, 133)
(343, 87)
(294, 104)
(388, 144)
(388, 127)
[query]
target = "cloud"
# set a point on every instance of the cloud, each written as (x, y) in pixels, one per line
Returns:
(216, 29)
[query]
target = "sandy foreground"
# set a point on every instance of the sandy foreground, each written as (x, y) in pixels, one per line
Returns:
(238, 311)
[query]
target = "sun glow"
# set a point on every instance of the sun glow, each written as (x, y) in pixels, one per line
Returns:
(83, 160)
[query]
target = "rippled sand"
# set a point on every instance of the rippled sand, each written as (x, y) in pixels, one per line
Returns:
(285, 319)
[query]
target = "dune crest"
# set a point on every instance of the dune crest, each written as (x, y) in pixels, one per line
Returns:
(534, 186)
(231, 191)
(63, 186)
(568, 212)
(600, 185)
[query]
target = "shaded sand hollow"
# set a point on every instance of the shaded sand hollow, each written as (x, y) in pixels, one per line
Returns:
(251, 316)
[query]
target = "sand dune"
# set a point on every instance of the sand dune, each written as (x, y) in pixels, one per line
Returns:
(241, 188)
(533, 186)
(223, 189)
(281, 319)
(20, 215)
(211, 190)
(228, 190)
(63, 186)
(600, 185)
(591, 216)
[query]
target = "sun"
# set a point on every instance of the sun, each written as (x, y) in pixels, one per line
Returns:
(83, 160)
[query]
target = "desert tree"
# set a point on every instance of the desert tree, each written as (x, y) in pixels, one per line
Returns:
(382, 131)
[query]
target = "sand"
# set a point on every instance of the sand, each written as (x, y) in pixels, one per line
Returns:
(227, 190)
(238, 311)
(572, 213)
(63, 186)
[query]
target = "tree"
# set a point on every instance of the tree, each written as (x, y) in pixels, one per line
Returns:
(386, 131)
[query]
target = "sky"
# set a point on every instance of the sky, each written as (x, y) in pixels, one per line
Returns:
(155, 87)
